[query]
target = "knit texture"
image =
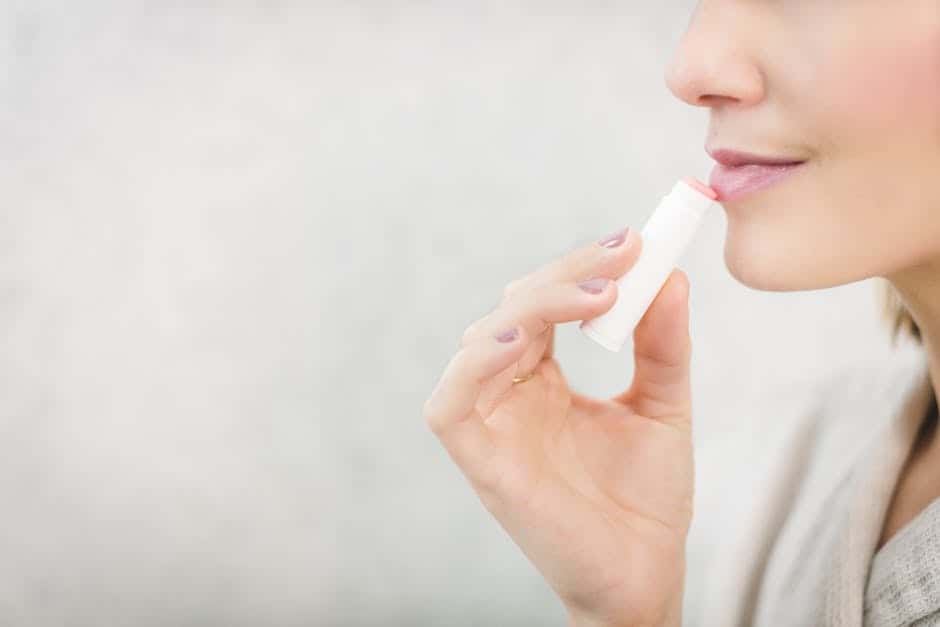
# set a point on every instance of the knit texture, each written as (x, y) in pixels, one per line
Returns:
(904, 585)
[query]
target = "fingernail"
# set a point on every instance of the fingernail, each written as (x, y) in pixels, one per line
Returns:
(594, 286)
(614, 239)
(508, 336)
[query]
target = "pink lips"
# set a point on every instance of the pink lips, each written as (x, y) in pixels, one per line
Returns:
(737, 174)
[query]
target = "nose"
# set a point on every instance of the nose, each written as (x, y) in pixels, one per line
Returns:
(713, 65)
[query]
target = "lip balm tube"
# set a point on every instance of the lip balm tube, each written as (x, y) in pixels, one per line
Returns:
(665, 236)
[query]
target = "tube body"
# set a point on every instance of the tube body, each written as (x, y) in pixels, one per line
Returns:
(665, 236)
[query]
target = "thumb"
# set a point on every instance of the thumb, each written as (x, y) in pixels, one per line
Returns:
(662, 350)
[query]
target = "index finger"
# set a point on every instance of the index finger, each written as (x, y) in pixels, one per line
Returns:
(605, 257)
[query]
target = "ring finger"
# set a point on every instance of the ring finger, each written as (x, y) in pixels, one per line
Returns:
(539, 308)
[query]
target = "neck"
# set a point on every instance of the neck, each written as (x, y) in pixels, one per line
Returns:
(919, 290)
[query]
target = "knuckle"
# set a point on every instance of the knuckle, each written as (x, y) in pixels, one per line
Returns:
(511, 288)
(468, 334)
(431, 418)
(474, 329)
(486, 483)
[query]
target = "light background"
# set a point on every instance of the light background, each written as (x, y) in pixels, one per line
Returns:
(238, 245)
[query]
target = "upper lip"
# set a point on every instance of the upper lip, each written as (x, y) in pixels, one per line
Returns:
(734, 158)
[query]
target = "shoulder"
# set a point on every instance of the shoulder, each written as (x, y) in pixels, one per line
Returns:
(825, 420)
(780, 466)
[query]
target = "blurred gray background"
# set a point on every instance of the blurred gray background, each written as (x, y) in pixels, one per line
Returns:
(238, 245)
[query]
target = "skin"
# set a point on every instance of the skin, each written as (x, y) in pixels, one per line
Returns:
(584, 486)
(854, 87)
(598, 492)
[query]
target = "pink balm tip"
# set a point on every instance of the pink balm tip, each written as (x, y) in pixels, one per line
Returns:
(699, 186)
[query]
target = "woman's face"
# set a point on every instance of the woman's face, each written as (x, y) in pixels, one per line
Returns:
(851, 86)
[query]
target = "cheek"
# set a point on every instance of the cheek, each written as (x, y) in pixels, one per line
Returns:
(890, 85)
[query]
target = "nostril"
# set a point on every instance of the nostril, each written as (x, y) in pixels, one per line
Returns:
(716, 100)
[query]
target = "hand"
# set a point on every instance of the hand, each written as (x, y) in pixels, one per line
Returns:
(596, 492)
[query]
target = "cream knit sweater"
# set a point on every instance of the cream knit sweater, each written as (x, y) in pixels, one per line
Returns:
(786, 536)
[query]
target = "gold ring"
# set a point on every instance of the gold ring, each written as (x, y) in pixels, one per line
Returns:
(523, 378)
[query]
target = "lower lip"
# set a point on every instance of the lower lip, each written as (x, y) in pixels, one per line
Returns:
(735, 182)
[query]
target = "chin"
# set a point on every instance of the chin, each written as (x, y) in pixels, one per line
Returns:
(750, 271)
(770, 265)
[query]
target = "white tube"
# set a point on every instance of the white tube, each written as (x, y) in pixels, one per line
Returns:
(665, 236)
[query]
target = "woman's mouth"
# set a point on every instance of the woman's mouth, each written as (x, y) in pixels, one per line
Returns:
(737, 174)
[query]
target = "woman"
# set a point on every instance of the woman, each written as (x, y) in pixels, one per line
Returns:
(598, 493)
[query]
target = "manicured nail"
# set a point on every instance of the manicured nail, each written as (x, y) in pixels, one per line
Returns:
(508, 336)
(594, 286)
(615, 239)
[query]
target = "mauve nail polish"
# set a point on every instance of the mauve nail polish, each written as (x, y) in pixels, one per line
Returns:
(508, 336)
(615, 239)
(594, 286)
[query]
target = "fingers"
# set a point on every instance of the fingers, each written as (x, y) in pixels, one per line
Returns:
(539, 307)
(550, 344)
(532, 304)
(661, 386)
(594, 260)
(450, 410)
